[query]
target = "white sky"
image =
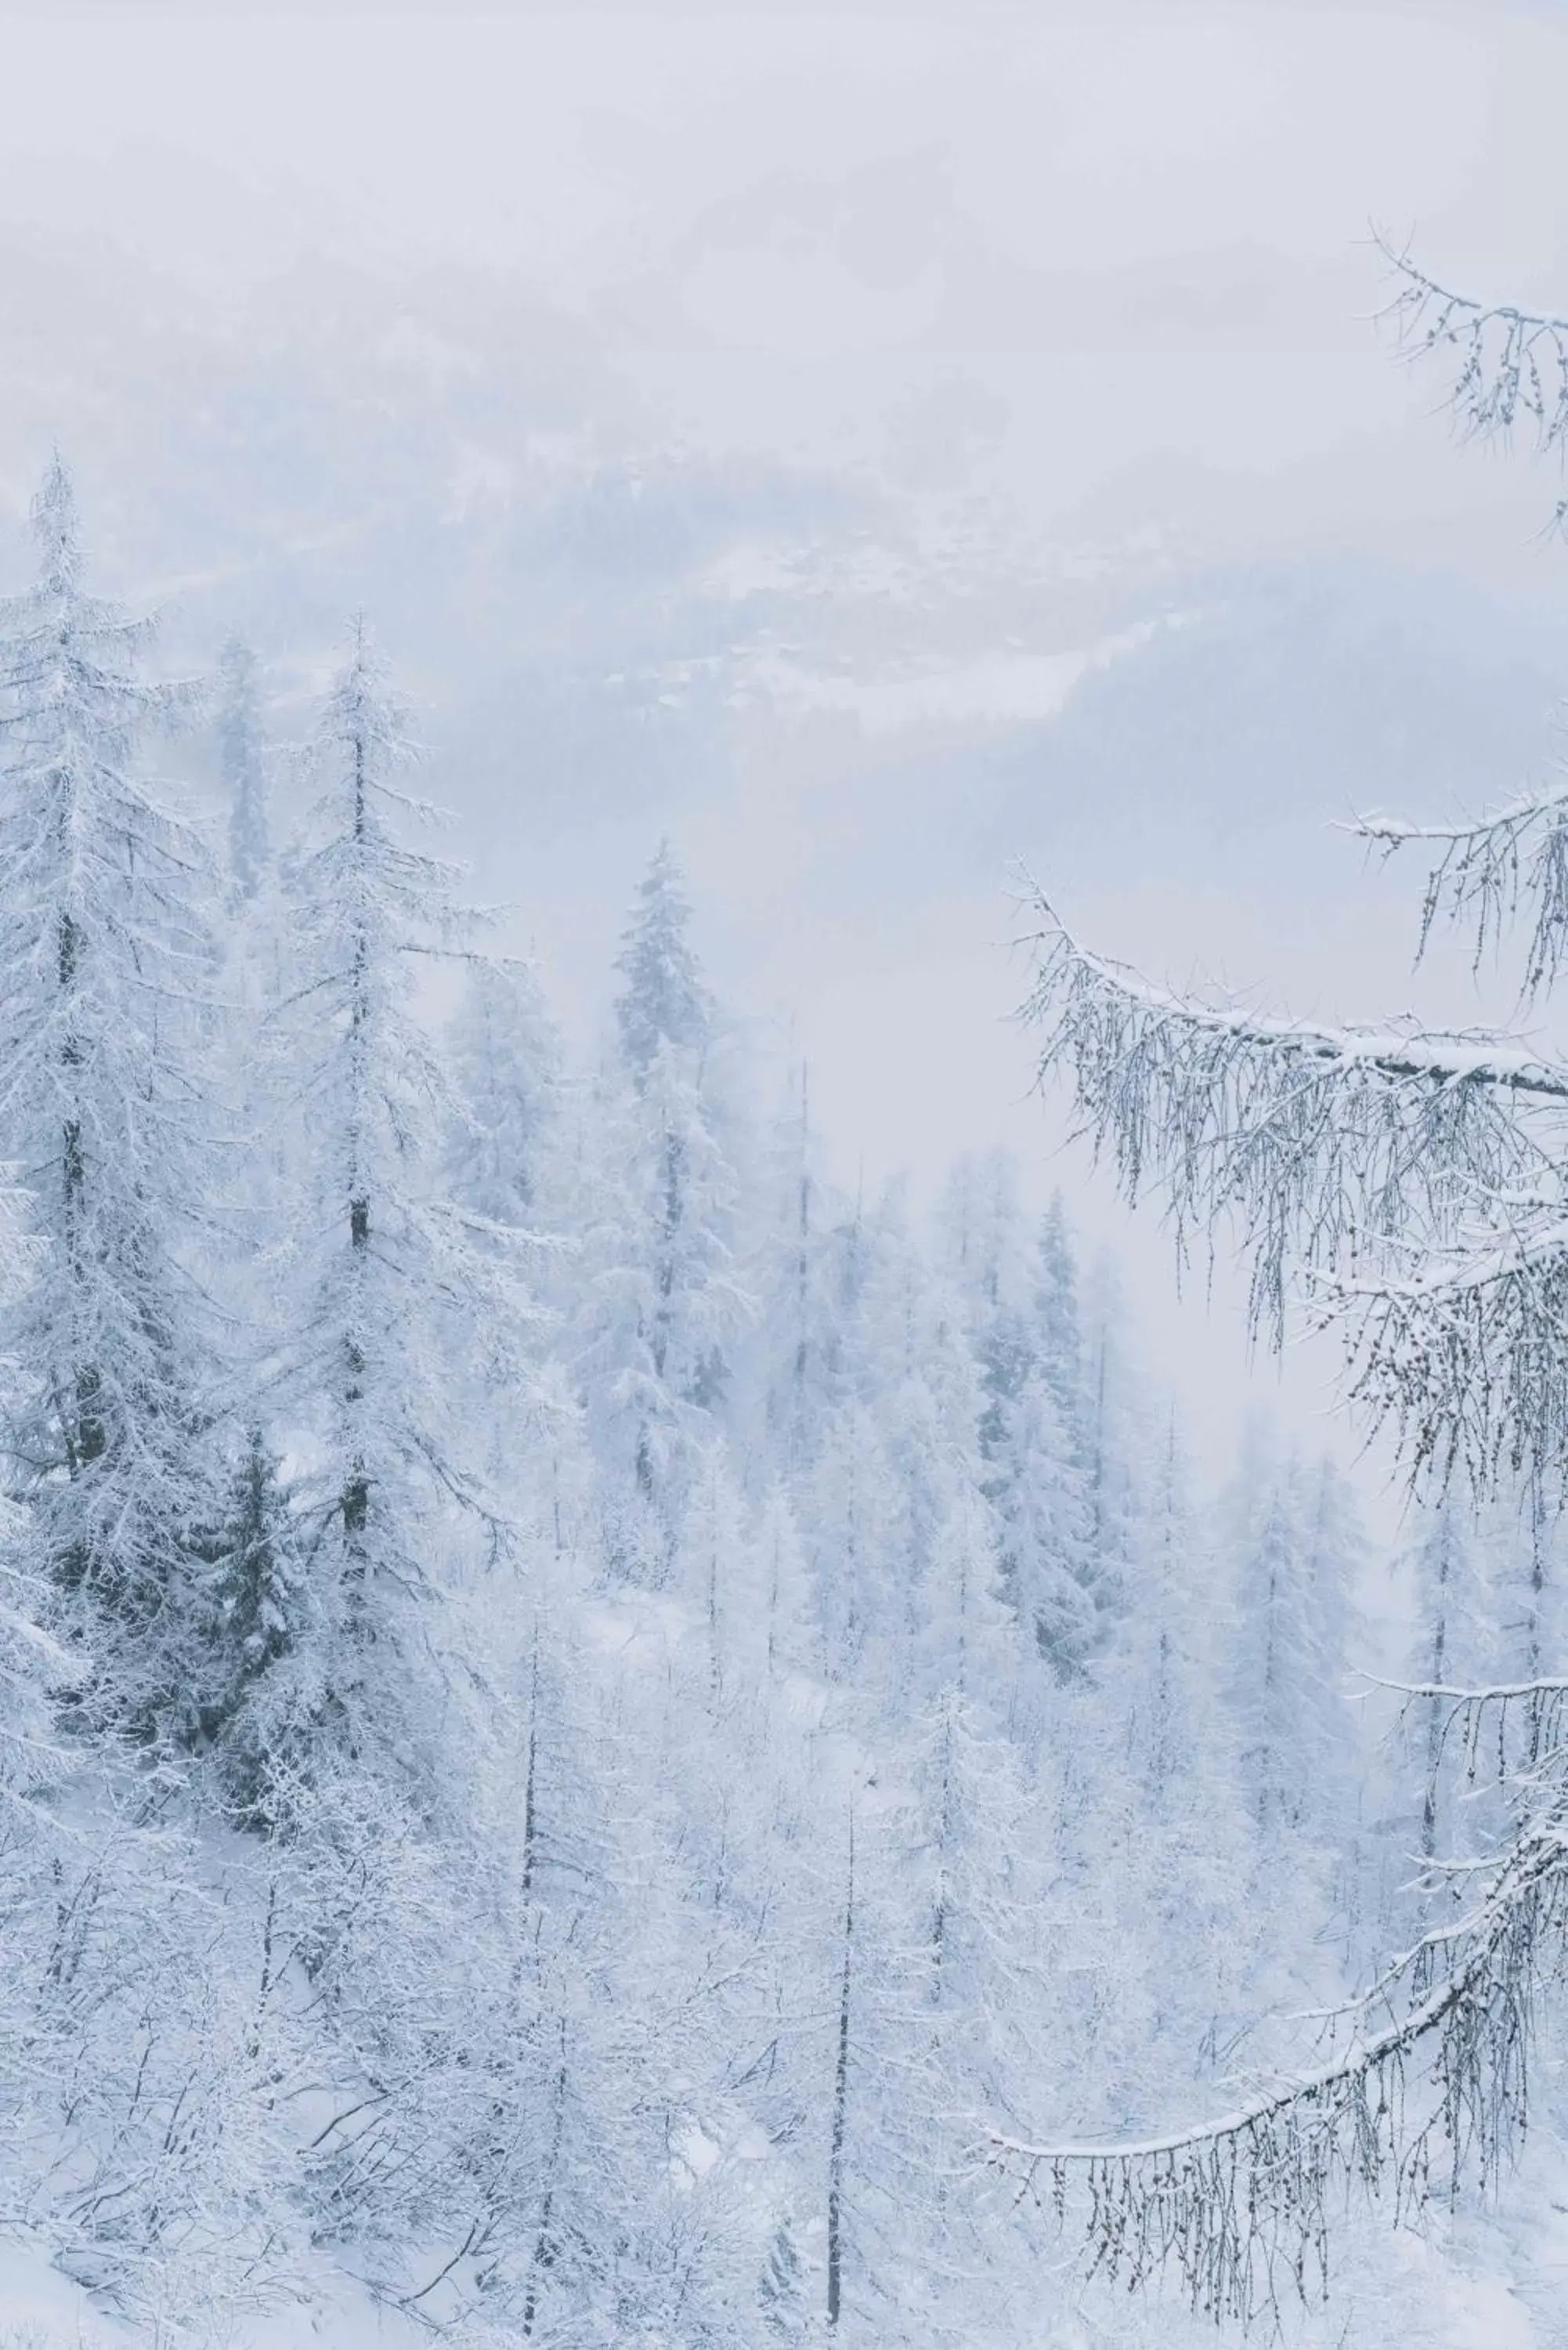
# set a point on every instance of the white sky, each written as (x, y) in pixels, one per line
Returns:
(1075, 302)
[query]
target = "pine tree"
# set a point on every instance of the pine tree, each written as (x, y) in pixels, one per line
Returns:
(792, 1367)
(396, 1283)
(104, 967)
(259, 1715)
(1292, 1545)
(663, 1301)
(504, 1056)
(1047, 1471)
(665, 1003)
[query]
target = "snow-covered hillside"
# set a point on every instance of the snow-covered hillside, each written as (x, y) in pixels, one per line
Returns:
(591, 1724)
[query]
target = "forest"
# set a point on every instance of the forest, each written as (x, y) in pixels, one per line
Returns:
(605, 1741)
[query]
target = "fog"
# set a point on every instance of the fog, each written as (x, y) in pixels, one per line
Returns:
(646, 1698)
(888, 450)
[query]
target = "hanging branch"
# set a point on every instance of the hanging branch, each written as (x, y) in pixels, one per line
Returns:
(1413, 1180)
(1508, 365)
(1483, 872)
(1343, 1149)
(1468, 1359)
(1532, 1714)
(1242, 2208)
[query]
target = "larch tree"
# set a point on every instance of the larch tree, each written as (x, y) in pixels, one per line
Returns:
(665, 1002)
(1056, 1474)
(1027, 1451)
(1289, 1550)
(505, 1174)
(242, 755)
(927, 1565)
(105, 973)
(664, 1302)
(1181, 1852)
(1407, 1184)
(393, 1279)
(1445, 1562)
(790, 1382)
(1165, 1654)
(505, 1051)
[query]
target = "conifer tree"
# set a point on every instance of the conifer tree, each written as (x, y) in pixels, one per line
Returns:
(1404, 1181)
(982, 1232)
(665, 1003)
(1178, 1833)
(268, 1633)
(664, 1302)
(792, 1365)
(1455, 1640)
(1170, 1646)
(242, 749)
(1045, 1445)
(104, 967)
(786, 1621)
(395, 1281)
(506, 1069)
(1281, 1671)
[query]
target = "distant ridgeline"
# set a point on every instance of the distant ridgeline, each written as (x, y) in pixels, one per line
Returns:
(588, 1722)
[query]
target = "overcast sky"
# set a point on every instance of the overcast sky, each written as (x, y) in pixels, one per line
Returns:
(878, 446)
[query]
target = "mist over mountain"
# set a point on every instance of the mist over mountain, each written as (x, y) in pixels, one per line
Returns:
(676, 1672)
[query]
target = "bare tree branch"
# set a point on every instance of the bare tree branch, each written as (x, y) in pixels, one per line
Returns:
(1349, 1151)
(1241, 2207)
(1484, 871)
(1508, 365)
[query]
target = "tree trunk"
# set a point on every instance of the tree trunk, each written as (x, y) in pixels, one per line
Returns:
(840, 2103)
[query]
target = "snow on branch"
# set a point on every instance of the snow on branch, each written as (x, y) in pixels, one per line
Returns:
(1347, 1151)
(1521, 1722)
(1507, 365)
(1241, 2207)
(1510, 365)
(1469, 1359)
(1482, 871)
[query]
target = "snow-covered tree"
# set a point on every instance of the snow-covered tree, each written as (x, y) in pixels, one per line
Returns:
(394, 1281)
(103, 972)
(1407, 1181)
(665, 1003)
(269, 1629)
(506, 1060)
(1289, 1607)
(898, 1526)
(242, 751)
(738, 1706)
(663, 1301)
(786, 1614)
(792, 1365)
(1057, 1447)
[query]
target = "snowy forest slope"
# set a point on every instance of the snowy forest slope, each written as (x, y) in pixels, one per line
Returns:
(586, 1717)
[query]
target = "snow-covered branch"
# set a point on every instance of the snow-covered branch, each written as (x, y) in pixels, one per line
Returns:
(1467, 1359)
(1345, 1151)
(1483, 872)
(1240, 2206)
(1510, 365)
